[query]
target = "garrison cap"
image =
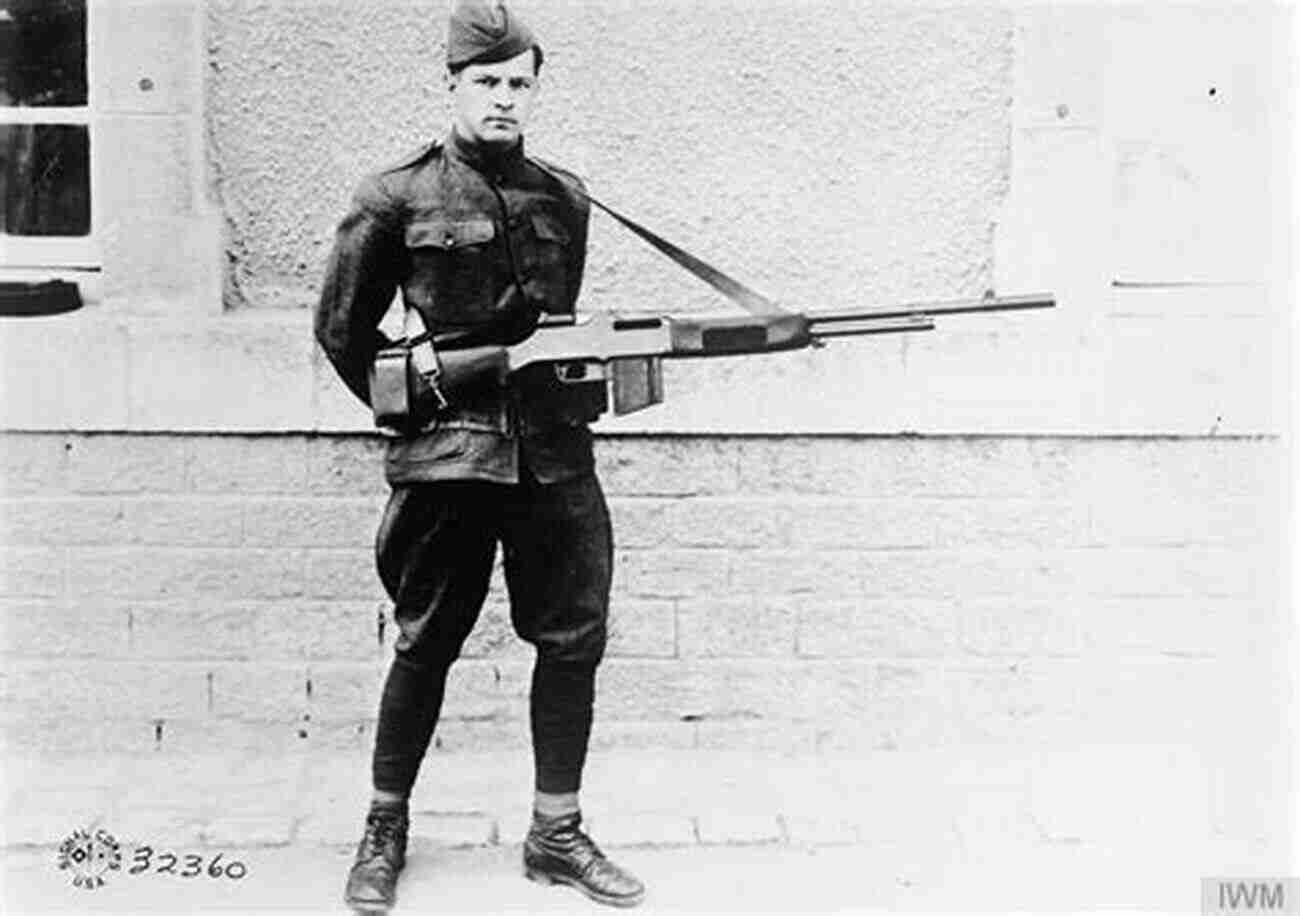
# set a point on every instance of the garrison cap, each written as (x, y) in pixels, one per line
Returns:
(484, 32)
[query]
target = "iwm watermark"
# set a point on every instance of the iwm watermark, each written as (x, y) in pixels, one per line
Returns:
(1274, 896)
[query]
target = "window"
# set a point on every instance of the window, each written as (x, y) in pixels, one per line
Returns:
(46, 134)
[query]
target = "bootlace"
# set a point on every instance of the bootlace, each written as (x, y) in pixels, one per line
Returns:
(585, 847)
(571, 840)
(380, 831)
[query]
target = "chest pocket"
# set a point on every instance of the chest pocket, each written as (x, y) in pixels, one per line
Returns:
(548, 262)
(453, 263)
(449, 234)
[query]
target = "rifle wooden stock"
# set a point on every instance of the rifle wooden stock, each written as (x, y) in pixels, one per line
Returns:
(628, 348)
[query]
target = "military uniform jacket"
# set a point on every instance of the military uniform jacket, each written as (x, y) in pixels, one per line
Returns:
(452, 228)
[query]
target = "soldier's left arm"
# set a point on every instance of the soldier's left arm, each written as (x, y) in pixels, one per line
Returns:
(579, 217)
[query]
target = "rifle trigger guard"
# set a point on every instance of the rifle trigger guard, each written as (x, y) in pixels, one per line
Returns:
(577, 371)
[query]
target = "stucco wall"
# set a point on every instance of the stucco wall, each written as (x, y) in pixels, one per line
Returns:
(828, 154)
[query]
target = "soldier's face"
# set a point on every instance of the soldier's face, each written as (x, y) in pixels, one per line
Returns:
(493, 102)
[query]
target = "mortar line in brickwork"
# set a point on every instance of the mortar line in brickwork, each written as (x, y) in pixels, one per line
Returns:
(788, 662)
(672, 498)
(297, 497)
(806, 550)
(938, 437)
(195, 548)
(292, 433)
(65, 572)
(233, 497)
(910, 496)
(994, 550)
(677, 627)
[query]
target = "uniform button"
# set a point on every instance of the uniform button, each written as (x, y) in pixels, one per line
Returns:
(449, 240)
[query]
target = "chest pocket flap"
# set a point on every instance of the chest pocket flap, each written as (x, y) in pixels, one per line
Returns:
(449, 234)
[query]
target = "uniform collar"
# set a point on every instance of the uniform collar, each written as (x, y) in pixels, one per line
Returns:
(489, 161)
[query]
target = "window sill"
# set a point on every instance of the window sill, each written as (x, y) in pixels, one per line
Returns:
(111, 369)
(88, 284)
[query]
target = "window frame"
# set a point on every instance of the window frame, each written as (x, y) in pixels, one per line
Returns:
(25, 257)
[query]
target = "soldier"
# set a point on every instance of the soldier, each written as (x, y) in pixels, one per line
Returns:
(468, 229)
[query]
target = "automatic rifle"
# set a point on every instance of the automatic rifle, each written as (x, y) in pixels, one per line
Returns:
(627, 350)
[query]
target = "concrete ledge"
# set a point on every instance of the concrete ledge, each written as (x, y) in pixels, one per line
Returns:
(104, 369)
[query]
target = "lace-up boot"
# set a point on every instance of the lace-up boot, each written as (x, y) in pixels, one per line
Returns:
(381, 854)
(556, 851)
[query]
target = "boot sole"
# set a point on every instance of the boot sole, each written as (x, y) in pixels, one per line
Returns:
(542, 877)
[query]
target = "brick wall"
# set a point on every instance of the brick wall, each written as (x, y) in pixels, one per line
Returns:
(188, 593)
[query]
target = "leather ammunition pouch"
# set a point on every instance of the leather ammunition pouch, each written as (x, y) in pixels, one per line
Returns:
(390, 389)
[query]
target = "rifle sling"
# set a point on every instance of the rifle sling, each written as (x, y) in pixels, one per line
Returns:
(753, 302)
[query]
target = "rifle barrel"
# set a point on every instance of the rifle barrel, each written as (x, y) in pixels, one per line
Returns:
(820, 320)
